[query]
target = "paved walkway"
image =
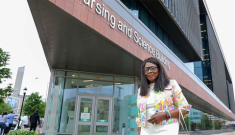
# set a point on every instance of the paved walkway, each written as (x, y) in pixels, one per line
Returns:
(38, 130)
(230, 133)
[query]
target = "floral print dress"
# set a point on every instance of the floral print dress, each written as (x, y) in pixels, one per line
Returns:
(169, 99)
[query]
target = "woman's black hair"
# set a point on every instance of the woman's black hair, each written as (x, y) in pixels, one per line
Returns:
(4, 113)
(162, 79)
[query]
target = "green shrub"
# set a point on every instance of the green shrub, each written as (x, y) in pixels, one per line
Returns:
(22, 132)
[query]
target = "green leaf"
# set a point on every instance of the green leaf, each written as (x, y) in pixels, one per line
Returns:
(32, 103)
(21, 132)
(4, 107)
(5, 73)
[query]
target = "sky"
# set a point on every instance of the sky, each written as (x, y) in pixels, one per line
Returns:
(19, 37)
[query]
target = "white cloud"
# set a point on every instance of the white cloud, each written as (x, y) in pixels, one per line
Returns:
(19, 37)
(222, 13)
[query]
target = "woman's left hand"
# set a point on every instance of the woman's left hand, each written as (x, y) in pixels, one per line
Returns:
(157, 117)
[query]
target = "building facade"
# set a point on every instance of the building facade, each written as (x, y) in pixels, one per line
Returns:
(18, 82)
(94, 49)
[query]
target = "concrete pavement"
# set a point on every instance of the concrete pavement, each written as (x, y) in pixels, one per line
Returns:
(230, 133)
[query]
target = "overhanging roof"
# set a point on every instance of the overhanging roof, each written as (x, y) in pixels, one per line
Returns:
(70, 44)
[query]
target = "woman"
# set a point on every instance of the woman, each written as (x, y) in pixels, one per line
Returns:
(158, 101)
(3, 119)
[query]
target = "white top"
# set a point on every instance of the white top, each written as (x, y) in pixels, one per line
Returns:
(150, 101)
(3, 119)
(150, 129)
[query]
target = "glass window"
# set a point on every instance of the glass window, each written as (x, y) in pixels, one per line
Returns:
(152, 23)
(96, 76)
(95, 87)
(59, 81)
(136, 13)
(165, 38)
(84, 130)
(126, 2)
(199, 120)
(204, 68)
(72, 74)
(125, 109)
(60, 73)
(102, 110)
(159, 32)
(134, 7)
(139, 81)
(85, 110)
(124, 79)
(101, 130)
(144, 15)
(68, 105)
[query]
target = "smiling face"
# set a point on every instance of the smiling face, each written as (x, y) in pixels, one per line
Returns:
(151, 72)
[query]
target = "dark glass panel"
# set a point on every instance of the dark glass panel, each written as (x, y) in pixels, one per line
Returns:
(148, 19)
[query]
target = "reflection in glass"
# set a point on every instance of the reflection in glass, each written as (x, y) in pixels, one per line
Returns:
(136, 13)
(60, 73)
(198, 70)
(85, 110)
(124, 79)
(125, 109)
(101, 130)
(72, 74)
(203, 68)
(89, 86)
(84, 130)
(59, 81)
(204, 121)
(102, 110)
(140, 11)
(133, 6)
(190, 66)
(139, 81)
(68, 105)
(96, 76)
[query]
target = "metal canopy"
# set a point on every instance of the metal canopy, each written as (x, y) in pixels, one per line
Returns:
(70, 44)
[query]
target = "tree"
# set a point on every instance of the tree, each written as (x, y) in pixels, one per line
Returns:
(5, 73)
(206, 123)
(4, 107)
(217, 124)
(32, 103)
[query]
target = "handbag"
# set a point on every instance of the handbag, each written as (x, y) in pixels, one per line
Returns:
(181, 116)
(7, 124)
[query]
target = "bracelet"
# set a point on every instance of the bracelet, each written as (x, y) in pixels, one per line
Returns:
(169, 113)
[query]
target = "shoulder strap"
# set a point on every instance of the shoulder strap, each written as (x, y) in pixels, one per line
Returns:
(180, 114)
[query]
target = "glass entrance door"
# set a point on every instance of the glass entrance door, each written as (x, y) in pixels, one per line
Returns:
(93, 115)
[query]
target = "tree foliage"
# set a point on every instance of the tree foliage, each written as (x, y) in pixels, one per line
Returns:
(32, 103)
(217, 124)
(5, 73)
(206, 123)
(4, 107)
